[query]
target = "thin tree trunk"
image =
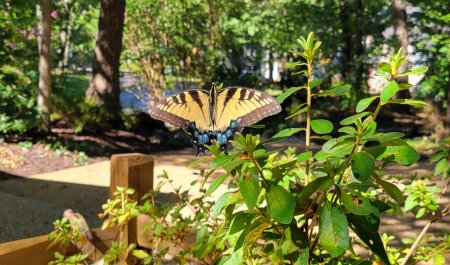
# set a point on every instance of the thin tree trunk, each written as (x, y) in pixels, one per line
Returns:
(401, 31)
(45, 79)
(104, 87)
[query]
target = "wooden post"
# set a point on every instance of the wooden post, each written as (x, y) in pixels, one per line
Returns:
(132, 171)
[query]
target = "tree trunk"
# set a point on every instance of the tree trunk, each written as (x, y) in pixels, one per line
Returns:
(401, 31)
(104, 87)
(43, 12)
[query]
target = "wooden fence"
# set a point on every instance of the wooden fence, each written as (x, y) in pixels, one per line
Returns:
(128, 170)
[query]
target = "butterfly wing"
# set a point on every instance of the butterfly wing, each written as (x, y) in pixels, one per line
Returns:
(245, 106)
(190, 111)
(185, 108)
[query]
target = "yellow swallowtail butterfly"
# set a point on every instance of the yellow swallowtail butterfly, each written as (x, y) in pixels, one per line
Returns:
(216, 115)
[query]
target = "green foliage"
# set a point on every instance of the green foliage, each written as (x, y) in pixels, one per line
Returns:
(284, 206)
(76, 259)
(18, 68)
(442, 159)
(421, 196)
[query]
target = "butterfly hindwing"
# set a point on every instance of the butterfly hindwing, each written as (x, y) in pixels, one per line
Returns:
(182, 109)
(244, 105)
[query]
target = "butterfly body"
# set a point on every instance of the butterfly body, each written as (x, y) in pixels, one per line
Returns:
(215, 116)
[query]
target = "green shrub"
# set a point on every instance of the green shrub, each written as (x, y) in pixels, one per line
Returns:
(289, 207)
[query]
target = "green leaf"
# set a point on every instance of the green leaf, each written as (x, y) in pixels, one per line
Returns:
(140, 254)
(347, 130)
(322, 183)
(384, 67)
(281, 135)
(389, 91)
(337, 91)
(411, 102)
(353, 118)
(197, 162)
(252, 233)
(315, 82)
(363, 166)
(249, 189)
(240, 221)
(280, 204)
(304, 156)
(363, 208)
(442, 167)
(321, 126)
(288, 92)
(220, 161)
(438, 259)
(407, 156)
(233, 164)
(364, 103)
(392, 190)
(216, 183)
(360, 224)
(333, 229)
(414, 71)
(225, 200)
(384, 137)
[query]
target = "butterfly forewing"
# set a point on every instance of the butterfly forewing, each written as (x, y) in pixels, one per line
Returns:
(245, 105)
(184, 108)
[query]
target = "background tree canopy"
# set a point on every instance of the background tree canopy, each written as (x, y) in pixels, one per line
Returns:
(173, 45)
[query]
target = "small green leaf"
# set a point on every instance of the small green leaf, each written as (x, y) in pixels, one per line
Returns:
(414, 71)
(333, 229)
(321, 126)
(240, 222)
(438, 259)
(338, 90)
(347, 130)
(407, 156)
(442, 167)
(249, 189)
(362, 208)
(280, 204)
(322, 183)
(288, 92)
(220, 161)
(392, 190)
(281, 135)
(384, 137)
(225, 200)
(216, 183)
(140, 254)
(353, 118)
(389, 91)
(304, 156)
(315, 82)
(197, 162)
(384, 67)
(363, 166)
(364, 103)
(411, 102)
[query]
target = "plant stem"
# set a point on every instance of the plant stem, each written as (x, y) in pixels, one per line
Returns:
(308, 119)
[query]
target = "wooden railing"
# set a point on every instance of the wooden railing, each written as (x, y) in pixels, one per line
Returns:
(128, 170)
